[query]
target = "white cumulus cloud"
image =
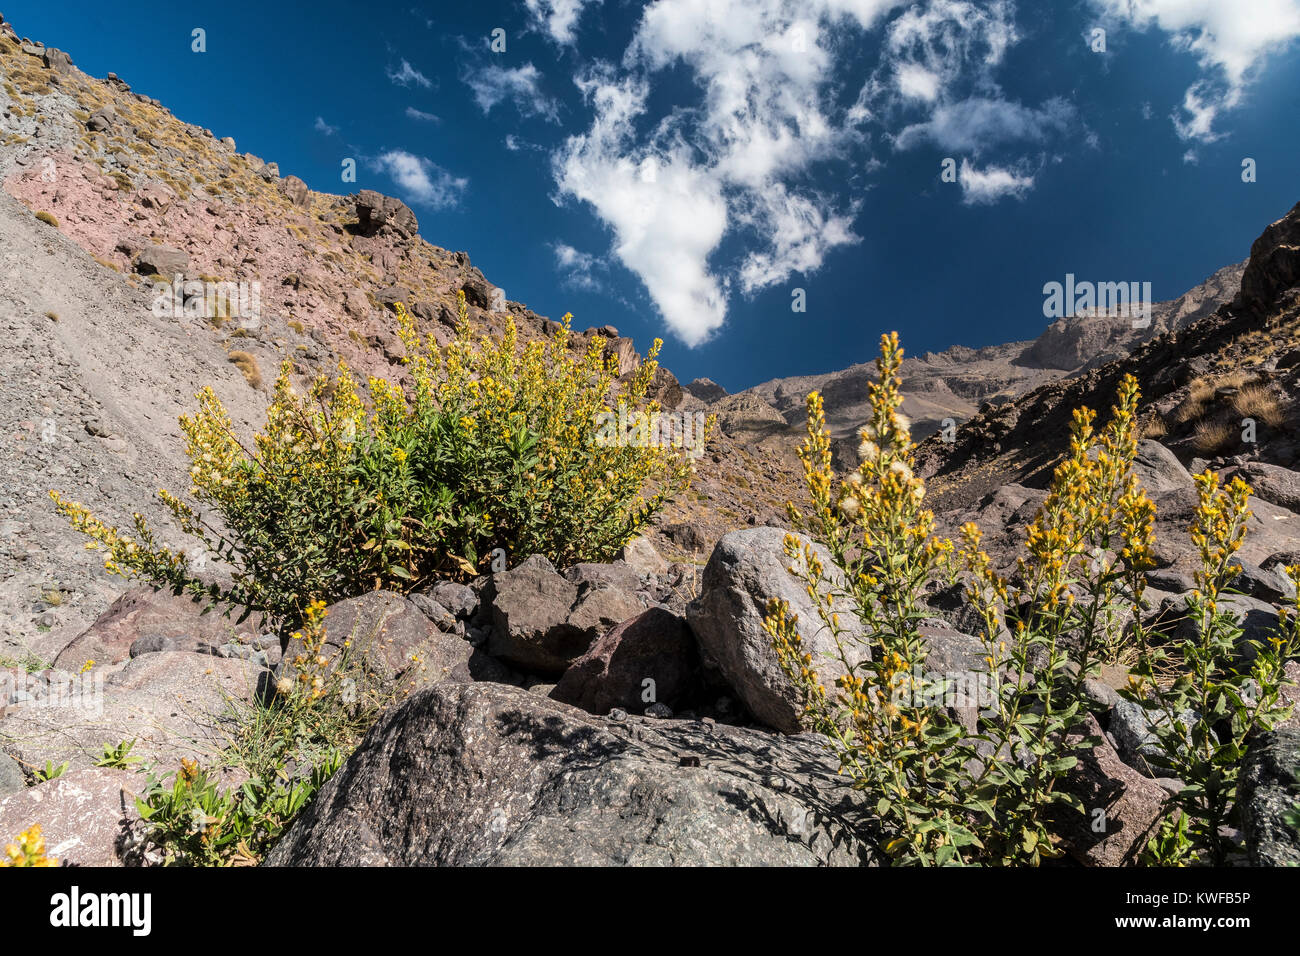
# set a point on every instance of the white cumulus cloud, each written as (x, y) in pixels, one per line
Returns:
(988, 185)
(728, 190)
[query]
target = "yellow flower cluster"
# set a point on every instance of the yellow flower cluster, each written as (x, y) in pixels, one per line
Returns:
(28, 849)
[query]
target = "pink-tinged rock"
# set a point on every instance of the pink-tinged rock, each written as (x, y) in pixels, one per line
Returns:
(172, 622)
(82, 814)
(172, 704)
(1121, 806)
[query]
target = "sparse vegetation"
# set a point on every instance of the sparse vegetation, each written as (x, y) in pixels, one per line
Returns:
(1154, 427)
(48, 218)
(1214, 436)
(1207, 694)
(1259, 402)
(313, 722)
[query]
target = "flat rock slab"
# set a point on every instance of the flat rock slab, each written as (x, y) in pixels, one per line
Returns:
(171, 703)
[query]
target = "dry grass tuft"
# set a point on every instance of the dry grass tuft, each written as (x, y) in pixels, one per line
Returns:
(1154, 428)
(247, 364)
(1258, 402)
(1213, 437)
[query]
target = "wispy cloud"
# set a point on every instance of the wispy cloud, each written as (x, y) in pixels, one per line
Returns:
(407, 75)
(578, 268)
(558, 19)
(520, 85)
(422, 180)
(515, 144)
(977, 124)
(323, 127)
(421, 115)
(1231, 43)
(990, 184)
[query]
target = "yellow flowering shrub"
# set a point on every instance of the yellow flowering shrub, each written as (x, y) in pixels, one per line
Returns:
(986, 789)
(491, 446)
(1209, 691)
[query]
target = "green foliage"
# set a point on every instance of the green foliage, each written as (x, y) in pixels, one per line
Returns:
(493, 447)
(50, 772)
(119, 757)
(195, 823)
(990, 793)
(289, 746)
(1209, 693)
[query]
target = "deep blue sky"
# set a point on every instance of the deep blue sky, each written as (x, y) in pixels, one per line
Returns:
(1115, 194)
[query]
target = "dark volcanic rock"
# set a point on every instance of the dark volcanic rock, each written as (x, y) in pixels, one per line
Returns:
(392, 639)
(1274, 263)
(484, 774)
(1270, 793)
(541, 621)
(654, 646)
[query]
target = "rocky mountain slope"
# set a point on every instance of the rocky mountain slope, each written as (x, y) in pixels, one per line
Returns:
(525, 734)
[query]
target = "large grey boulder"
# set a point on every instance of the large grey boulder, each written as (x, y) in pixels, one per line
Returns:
(485, 774)
(1159, 469)
(746, 570)
(1134, 729)
(1269, 799)
(57, 60)
(1273, 483)
(295, 190)
(375, 211)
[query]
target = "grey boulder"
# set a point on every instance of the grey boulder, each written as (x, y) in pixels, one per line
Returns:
(746, 570)
(485, 774)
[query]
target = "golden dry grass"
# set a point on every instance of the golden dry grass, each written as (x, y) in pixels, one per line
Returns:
(1260, 403)
(247, 364)
(1154, 428)
(1213, 437)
